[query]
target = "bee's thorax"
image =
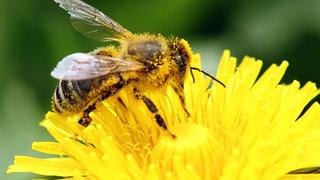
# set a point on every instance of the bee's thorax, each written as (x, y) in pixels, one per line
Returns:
(145, 50)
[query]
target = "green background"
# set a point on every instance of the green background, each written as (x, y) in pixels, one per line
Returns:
(35, 35)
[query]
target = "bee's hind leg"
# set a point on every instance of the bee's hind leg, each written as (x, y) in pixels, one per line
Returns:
(85, 120)
(154, 110)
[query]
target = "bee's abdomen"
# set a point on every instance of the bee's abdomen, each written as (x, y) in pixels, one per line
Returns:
(71, 96)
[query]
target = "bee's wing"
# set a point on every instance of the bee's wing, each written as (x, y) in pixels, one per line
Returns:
(91, 22)
(81, 66)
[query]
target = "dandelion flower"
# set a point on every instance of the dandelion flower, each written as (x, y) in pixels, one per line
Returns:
(251, 129)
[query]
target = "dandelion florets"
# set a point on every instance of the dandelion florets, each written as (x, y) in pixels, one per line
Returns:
(252, 129)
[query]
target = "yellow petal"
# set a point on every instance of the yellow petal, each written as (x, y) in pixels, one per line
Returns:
(48, 147)
(48, 167)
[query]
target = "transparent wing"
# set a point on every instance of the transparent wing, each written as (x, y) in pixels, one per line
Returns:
(95, 32)
(81, 66)
(92, 22)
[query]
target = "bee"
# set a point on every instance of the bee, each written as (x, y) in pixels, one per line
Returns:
(144, 62)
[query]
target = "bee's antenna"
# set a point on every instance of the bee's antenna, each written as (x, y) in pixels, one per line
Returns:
(205, 73)
(193, 80)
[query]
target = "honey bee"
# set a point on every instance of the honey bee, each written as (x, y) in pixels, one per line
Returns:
(141, 61)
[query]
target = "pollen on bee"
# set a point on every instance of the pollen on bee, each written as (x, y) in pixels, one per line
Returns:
(110, 51)
(143, 61)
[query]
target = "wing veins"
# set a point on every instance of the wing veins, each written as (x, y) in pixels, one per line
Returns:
(90, 17)
(81, 66)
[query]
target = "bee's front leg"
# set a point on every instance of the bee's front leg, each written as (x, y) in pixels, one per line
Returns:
(178, 89)
(154, 110)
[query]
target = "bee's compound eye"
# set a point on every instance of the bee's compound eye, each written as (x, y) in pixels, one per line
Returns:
(181, 58)
(146, 50)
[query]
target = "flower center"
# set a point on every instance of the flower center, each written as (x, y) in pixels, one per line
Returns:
(194, 149)
(188, 136)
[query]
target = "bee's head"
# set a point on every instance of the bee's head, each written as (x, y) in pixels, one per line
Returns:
(181, 54)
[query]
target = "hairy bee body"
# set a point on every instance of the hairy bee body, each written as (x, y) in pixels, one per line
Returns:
(143, 62)
(165, 62)
(75, 96)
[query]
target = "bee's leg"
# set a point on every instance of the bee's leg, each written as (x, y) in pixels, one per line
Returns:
(179, 90)
(85, 119)
(121, 102)
(154, 110)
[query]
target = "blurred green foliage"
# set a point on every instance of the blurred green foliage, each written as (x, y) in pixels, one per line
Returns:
(35, 35)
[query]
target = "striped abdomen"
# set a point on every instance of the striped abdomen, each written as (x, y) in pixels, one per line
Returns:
(72, 96)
